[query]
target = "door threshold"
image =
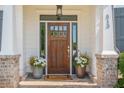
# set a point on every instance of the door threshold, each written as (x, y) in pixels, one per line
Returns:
(58, 74)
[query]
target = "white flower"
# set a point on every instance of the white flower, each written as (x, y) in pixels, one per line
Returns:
(78, 62)
(43, 65)
(39, 62)
(82, 65)
(76, 58)
(81, 60)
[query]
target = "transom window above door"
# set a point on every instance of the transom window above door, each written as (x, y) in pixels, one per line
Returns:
(54, 18)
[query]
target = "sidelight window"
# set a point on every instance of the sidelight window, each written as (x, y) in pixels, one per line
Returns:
(74, 42)
(42, 39)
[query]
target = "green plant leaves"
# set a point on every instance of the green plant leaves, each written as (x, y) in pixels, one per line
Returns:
(120, 83)
(121, 64)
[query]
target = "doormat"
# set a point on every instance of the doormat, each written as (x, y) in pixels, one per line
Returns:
(57, 77)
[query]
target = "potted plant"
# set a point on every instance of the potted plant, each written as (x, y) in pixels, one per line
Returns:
(80, 63)
(38, 64)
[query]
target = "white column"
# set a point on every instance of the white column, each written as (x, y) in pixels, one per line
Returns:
(99, 28)
(19, 36)
(108, 33)
(104, 32)
(7, 47)
(12, 33)
(106, 56)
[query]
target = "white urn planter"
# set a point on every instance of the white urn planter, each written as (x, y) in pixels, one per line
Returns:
(37, 65)
(37, 72)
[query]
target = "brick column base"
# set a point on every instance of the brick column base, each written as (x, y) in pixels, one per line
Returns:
(106, 70)
(9, 71)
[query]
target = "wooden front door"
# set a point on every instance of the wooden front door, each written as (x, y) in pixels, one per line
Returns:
(58, 48)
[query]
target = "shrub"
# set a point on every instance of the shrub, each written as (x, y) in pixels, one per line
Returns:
(121, 64)
(120, 83)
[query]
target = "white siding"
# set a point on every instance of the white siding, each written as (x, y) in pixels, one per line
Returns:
(31, 41)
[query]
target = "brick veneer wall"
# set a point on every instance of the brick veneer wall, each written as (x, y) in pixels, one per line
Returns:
(106, 70)
(9, 71)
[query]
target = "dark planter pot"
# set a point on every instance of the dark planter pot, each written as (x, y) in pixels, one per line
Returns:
(80, 72)
(37, 72)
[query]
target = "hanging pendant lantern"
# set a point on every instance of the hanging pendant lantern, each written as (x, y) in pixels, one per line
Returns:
(59, 11)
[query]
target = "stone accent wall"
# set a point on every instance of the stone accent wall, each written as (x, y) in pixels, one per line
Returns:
(106, 70)
(9, 71)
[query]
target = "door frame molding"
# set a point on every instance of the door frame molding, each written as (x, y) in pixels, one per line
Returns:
(50, 12)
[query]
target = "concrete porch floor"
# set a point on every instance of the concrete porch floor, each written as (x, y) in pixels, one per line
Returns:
(85, 82)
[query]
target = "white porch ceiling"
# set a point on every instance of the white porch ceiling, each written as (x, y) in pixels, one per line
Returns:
(53, 7)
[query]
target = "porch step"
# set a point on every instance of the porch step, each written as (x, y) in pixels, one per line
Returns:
(56, 84)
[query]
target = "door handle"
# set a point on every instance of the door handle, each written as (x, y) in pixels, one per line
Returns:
(68, 50)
